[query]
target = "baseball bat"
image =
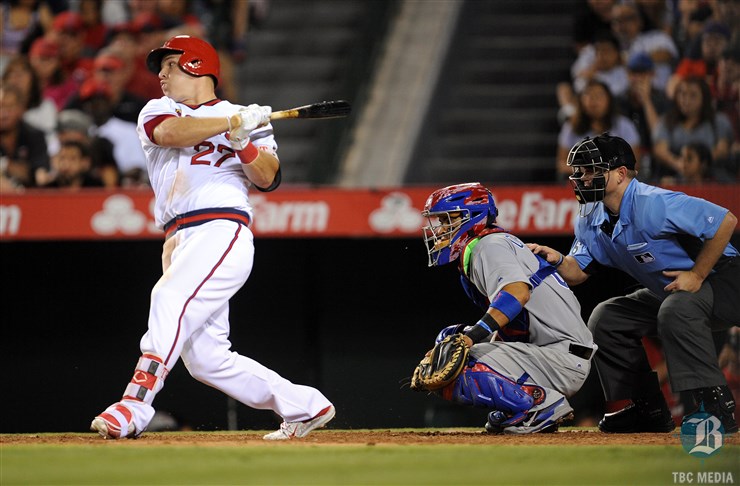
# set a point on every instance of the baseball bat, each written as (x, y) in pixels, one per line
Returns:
(324, 109)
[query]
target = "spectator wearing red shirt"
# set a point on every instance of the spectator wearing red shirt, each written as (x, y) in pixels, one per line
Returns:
(111, 68)
(45, 61)
(703, 63)
(68, 32)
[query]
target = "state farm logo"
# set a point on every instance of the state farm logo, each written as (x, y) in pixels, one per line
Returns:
(10, 219)
(396, 212)
(536, 212)
(289, 217)
(120, 215)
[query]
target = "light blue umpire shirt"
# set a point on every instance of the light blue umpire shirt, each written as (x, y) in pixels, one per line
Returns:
(657, 230)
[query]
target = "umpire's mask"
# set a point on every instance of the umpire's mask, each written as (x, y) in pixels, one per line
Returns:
(591, 161)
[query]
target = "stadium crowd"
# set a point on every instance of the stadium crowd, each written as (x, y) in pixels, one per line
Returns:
(664, 75)
(74, 80)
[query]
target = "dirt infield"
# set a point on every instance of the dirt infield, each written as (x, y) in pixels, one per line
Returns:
(363, 437)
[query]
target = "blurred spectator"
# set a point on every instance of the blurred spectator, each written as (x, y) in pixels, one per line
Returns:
(596, 113)
(692, 15)
(22, 147)
(19, 20)
(142, 83)
(643, 104)
(39, 112)
(74, 125)
(97, 101)
(177, 14)
(656, 14)
(44, 59)
(68, 32)
(691, 117)
(695, 165)
(111, 68)
(727, 12)
(728, 99)
(91, 14)
(627, 25)
(601, 60)
(148, 33)
(712, 42)
(592, 18)
(227, 23)
(71, 168)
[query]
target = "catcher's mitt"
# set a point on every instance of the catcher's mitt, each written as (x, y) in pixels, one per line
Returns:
(442, 365)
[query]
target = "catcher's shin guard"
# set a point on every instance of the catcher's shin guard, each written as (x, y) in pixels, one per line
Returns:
(480, 386)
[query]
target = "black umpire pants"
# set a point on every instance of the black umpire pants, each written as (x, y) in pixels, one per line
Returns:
(684, 324)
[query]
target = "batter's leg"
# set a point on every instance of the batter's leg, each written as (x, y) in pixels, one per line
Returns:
(203, 268)
(209, 359)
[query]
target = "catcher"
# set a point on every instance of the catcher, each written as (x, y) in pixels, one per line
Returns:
(530, 350)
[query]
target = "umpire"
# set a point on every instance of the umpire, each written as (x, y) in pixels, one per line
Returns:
(677, 247)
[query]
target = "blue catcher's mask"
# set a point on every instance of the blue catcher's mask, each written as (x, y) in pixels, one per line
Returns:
(456, 214)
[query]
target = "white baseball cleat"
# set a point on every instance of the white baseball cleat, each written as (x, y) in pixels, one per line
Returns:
(111, 423)
(289, 430)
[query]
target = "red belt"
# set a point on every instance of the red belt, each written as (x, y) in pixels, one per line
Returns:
(200, 216)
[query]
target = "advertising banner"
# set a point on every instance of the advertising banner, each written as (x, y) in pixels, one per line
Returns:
(297, 212)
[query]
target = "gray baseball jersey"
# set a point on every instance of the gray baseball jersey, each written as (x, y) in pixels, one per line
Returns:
(554, 319)
(554, 312)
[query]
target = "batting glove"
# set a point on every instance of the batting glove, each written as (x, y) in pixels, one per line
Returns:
(252, 117)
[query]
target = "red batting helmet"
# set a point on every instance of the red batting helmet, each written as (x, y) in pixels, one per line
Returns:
(198, 58)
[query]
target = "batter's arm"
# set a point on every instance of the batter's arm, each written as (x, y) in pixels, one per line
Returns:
(188, 131)
(567, 266)
(262, 170)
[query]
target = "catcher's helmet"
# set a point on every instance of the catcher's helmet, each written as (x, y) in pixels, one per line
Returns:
(591, 160)
(456, 214)
(198, 58)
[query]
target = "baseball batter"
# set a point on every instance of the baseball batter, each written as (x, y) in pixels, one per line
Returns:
(531, 350)
(203, 156)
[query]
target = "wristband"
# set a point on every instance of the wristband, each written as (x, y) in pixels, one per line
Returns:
(228, 120)
(506, 304)
(249, 154)
(559, 262)
(484, 327)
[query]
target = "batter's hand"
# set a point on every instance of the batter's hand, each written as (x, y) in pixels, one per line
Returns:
(552, 256)
(250, 118)
(683, 280)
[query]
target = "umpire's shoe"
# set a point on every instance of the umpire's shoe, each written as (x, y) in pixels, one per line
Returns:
(642, 415)
(717, 401)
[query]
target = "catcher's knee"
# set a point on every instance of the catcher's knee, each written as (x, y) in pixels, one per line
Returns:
(480, 386)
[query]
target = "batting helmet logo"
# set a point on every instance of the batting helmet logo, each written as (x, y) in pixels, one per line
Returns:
(198, 58)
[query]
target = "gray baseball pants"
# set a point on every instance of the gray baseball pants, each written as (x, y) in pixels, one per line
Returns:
(553, 368)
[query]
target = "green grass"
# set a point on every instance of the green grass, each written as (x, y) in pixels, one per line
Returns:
(354, 465)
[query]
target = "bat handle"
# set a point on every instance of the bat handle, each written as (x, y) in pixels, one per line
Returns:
(279, 115)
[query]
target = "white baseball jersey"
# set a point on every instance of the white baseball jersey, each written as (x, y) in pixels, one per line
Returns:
(203, 265)
(207, 175)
